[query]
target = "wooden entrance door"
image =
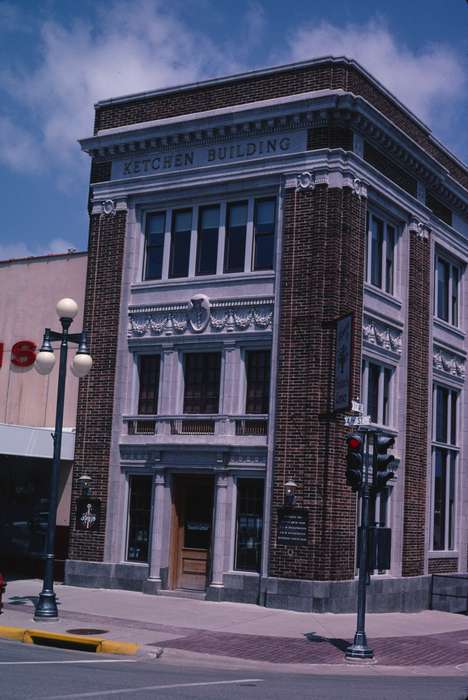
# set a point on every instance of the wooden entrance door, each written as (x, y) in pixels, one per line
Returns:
(193, 515)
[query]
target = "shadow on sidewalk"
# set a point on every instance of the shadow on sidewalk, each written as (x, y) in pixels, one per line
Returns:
(340, 644)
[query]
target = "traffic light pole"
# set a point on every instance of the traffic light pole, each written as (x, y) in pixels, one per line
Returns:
(359, 649)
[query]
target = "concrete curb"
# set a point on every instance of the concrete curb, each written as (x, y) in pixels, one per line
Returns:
(68, 641)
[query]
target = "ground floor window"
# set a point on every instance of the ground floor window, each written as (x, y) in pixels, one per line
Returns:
(443, 523)
(249, 524)
(139, 518)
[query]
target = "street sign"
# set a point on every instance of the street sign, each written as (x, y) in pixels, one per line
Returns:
(357, 420)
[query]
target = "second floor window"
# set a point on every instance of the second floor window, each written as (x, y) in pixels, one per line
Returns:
(444, 466)
(264, 234)
(207, 245)
(376, 390)
(381, 239)
(149, 368)
(202, 371)
(180, 243)
(258, 381)
(236, 232)
(155, 228)
(447, 281)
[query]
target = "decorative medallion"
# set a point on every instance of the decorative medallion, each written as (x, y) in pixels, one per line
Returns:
(198, 312)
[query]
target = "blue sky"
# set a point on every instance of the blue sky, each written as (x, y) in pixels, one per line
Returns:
(58, 57)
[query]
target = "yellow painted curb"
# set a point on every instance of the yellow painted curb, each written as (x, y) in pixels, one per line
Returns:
(103, 646)
(12, 633)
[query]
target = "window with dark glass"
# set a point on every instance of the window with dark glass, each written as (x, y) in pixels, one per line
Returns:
(377, 391)
(258, 381)
(202, 377)
(139, 518)
(155, 228)
(180, 243)
(149, 368)
(444, 458)
(264, 234)
(207, 244)
(249, 524)
(381, 241)
(236, 231)
(447, 290)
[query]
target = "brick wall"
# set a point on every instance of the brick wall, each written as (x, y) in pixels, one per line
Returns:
(280, 83)
(417, 406)
(443, 566)
(96, 393)
(321, 279)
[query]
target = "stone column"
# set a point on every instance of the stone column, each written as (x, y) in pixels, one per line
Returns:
(153, 584)
(219, 540)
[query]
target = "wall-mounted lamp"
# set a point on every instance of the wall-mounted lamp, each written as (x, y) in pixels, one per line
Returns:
(290, 493)
(85, 482)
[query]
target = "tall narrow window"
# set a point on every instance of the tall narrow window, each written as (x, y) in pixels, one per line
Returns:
(249, 524)
(258, 381)
(377, 391)
(149, 384)
(444, 462)
(447, 290)
(264, 234)
(180, 243)
(139, 518)
(155, 228)
(381, 242)
(207, 245)
(202, 376)
(236, 231)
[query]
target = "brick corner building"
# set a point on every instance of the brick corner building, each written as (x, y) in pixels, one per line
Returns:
(236, 224)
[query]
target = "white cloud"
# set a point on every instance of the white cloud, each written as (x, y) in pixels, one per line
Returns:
(18, 148)
(84, 63)
(23, 250)
(426, 80)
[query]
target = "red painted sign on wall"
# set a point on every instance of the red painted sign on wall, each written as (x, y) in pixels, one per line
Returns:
(23, 353)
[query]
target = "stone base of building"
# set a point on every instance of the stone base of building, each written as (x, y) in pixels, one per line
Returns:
(91, 574)
(383, 595)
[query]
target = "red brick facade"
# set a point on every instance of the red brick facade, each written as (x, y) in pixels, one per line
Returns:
(321, 280)
(417, 465)
(443, 566)
(96, 394)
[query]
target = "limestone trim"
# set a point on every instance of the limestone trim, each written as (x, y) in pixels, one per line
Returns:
(448, 362)
(382, 335)
(201, 316)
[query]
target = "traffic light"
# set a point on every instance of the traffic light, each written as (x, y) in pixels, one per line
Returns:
(380, 461)
(354, 461)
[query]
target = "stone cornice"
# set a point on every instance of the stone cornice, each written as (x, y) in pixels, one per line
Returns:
(299, 112)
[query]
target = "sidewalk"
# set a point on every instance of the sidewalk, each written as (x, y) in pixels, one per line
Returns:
(434, 640)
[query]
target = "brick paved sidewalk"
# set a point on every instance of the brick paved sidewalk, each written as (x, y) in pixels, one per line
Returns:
(447, 649)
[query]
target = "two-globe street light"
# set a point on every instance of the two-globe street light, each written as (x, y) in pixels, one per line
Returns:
(46, 608)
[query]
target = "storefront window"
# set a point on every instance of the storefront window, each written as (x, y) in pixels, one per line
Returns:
(139, 518)
(249, 524)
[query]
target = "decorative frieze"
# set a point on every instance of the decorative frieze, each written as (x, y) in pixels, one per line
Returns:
(201, 316)
(448, 362)
(382, 335)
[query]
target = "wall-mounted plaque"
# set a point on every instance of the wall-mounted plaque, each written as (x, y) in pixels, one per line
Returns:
(88, 511)
(293, 526)
(344, 337)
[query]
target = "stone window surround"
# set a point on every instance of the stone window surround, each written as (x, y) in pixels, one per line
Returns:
(397, 228)
(233, 371)
(451, 450)
(441, 253)
(382, 364)
(201, 200)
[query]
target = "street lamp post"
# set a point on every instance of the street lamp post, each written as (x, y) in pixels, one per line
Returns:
(46, 608)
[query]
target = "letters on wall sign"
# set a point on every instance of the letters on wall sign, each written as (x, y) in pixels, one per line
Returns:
(23, 353)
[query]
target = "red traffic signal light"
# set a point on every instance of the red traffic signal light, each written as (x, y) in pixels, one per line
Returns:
(354, 461)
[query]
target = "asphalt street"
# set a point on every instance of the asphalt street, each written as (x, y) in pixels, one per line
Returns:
(42, 672)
